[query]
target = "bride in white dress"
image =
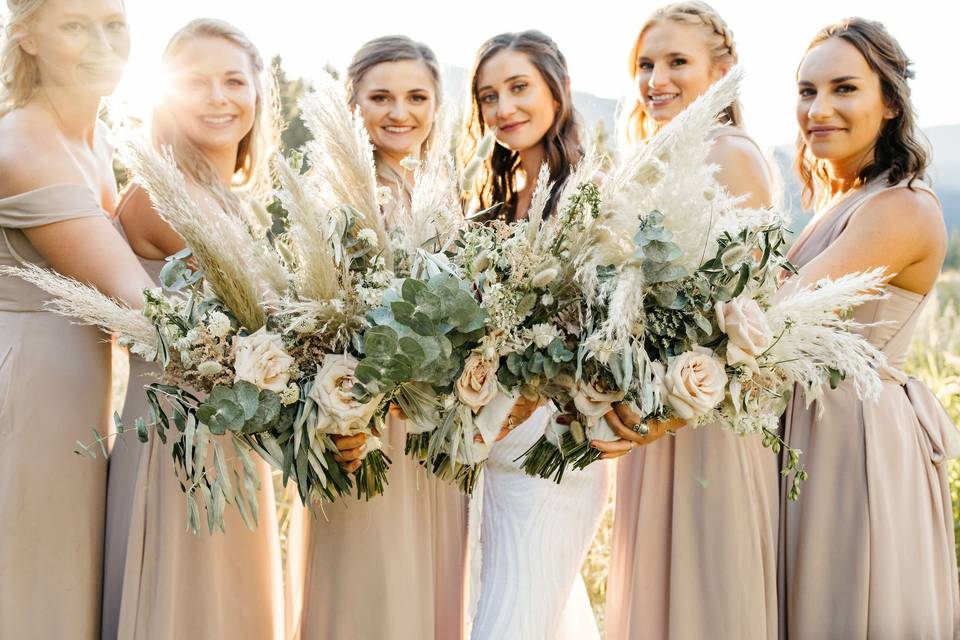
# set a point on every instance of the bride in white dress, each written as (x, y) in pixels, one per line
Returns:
(534, 533)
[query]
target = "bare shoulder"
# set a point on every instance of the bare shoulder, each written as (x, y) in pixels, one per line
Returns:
(31, 158)
(734, 148)
(743, 169)
(911, 218)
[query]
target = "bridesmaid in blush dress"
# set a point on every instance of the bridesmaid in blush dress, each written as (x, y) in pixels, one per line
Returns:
(399, 558)
(161, 580)
(694, 536)
(867, 551)
(58, 60)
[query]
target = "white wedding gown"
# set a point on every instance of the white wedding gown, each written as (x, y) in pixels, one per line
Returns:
(534, 537)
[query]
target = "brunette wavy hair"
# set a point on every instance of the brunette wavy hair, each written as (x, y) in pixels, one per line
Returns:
(497, 181)
(899, 151)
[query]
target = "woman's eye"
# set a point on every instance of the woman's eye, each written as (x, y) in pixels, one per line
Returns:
(379, 99)
(677, 62)
(520, 86)
(806, 93)
(488, 98)
(645, 66)
(236, 82)
(418, 99)
(117, 25)
(74, 26)
(846, 88)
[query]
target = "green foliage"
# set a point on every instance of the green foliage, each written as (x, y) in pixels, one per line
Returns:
(533, 364)
(295, 132)
(419, 335)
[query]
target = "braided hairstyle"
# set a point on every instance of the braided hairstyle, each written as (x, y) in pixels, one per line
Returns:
(496, 184)
(723, 52)
(898, 152)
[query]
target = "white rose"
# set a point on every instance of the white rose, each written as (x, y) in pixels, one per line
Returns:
(695, 383)
(260, 359)
(338, 412)
(477, 385)
(747, 328)
(593, 400)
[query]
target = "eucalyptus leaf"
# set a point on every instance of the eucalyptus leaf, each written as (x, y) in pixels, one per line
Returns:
(247, 396)
(410, 288)
(380, 341)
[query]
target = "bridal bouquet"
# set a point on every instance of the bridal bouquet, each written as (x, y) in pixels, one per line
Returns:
(525, 339)
(683, 317)
(278, 341)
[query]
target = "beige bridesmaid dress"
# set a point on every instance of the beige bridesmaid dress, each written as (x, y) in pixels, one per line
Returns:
(868, 549)
(694, 547)
(54, 391)
(162, 582)
(392, 568)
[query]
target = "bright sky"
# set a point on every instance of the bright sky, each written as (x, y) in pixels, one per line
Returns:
(595, 36)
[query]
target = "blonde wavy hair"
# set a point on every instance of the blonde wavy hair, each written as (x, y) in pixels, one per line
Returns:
(723, 52)
(252, 170)
(19, 75)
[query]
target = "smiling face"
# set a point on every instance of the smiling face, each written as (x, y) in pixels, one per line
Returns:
(674, 68)
(79, 45)
(840, 106)
(514, 97)
(212, 93)
(398, 101)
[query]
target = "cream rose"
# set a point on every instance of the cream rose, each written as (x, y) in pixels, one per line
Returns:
(338, 412)
(593, 400)
(695, 383)
(747, 329)
(477, 385)
(260, 359)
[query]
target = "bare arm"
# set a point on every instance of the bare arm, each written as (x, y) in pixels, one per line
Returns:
(88, 249)
(91, 251)
(900, 229)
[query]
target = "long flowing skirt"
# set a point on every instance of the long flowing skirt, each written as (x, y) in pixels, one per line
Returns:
(694, 540)
(534, 537)
(54, 392)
